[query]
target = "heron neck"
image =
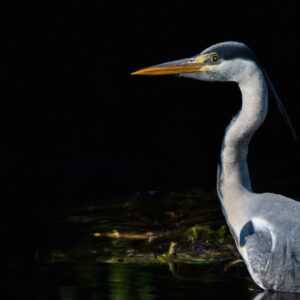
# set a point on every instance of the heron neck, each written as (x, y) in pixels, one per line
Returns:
(234, 173)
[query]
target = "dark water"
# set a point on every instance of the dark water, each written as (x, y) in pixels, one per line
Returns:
(80, 266)
(122, 281)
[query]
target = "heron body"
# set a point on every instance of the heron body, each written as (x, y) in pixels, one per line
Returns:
(265, 227)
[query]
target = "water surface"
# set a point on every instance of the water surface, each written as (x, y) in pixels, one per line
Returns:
(145, 246)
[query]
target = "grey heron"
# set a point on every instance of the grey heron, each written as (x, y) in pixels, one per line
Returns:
(265, 227)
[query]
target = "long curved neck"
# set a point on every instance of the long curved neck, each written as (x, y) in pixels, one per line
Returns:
(233, 170)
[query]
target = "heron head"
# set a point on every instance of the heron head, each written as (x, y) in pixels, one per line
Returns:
(225, 61)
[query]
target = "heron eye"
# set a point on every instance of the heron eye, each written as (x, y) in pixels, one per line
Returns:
(215, 58)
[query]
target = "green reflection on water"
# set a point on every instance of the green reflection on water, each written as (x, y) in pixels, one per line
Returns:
(125, 281)
(118, 282)
(120, 285)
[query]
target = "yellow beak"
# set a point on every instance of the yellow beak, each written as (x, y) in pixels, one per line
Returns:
(186, 65)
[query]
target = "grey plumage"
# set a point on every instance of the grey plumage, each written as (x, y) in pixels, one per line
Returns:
(268, 234)
(265, 227)
(273, 248)
(277, 296)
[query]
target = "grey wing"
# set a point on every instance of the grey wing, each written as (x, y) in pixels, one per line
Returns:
(274, 263)
(258, 247)
(257, 240)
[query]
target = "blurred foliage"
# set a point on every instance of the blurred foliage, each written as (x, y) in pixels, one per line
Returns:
(148, 228)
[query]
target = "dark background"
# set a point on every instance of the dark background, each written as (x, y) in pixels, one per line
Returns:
(76, 126)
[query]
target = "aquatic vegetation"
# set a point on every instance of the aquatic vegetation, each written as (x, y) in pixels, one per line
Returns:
(157, 228)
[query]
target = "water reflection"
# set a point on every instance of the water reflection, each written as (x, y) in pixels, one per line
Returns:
(128, 281)
(277, 296)
(121, 283)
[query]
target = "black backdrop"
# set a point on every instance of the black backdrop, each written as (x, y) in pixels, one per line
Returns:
(75, 125)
